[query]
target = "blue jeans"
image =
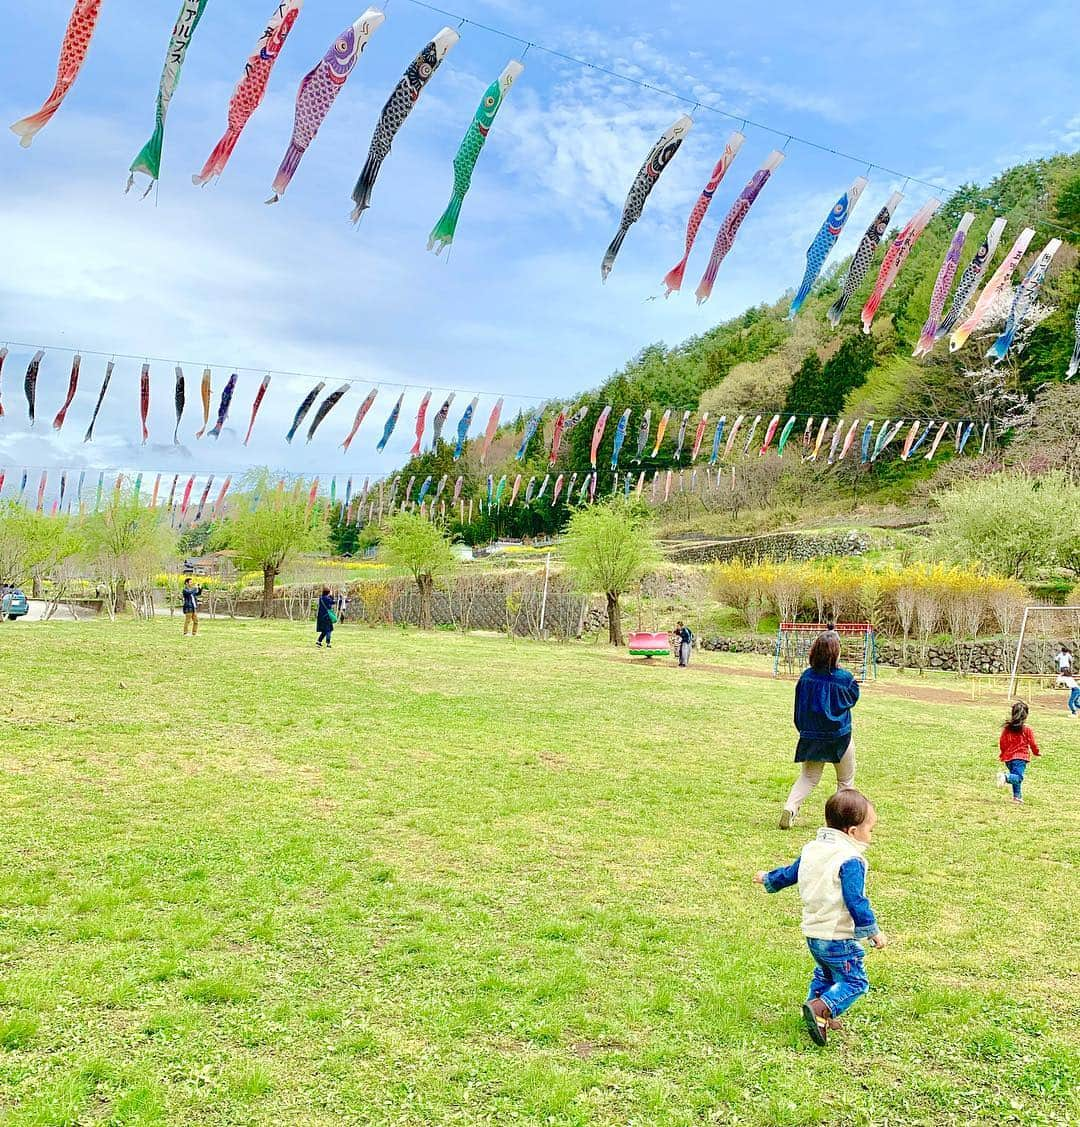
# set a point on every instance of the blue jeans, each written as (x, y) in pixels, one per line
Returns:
(1014, 773)
(839, 976)
(1074, 701)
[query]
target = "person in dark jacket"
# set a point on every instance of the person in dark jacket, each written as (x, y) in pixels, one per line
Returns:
(324, 621)
(684, 640)
(191, 595)
(824, 698)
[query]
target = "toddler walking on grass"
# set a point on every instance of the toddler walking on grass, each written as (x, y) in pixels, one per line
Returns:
(831, 875)
(1017, 746)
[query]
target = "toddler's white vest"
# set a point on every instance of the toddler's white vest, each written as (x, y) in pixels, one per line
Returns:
(825, 915)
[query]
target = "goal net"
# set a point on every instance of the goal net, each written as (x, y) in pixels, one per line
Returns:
(1043, 632)
(858, 650)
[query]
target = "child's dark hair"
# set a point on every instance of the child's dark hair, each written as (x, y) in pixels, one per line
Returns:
(847, 809)
(825, 653)
(1018, 717)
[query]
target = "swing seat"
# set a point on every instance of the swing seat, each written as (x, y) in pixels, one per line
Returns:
(650, 645)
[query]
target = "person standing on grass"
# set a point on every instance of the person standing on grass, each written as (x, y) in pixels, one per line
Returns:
(684, 640)
(1017, 744)
(1069, 682)
(831, 875)
(325, 618)
(824, 698)
(1065, 661)
(191, 596)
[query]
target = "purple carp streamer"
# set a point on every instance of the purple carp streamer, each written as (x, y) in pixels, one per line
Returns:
(224, 405)
(319, 90)
(943, 285)
(179, 402)
(30, 381)
(73, 52)
(301, 411)
(725, 237)
(1022, 302)
(148, 162)
(100, 399)
(1000, 278)
(439, 422)
(391, 422)
(398, 107)
(73, 386)
(1074, 363)
(825, 240)
(864, 257)
(674, 280)
(251, 89)
(361, 414)
(260, 395)
(970, 278)
(328, 404)
(660, 156)
(895, 257)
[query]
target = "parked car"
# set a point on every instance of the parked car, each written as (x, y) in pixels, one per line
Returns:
(13, 604)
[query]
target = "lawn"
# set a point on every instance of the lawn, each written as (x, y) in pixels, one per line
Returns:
(442, 879)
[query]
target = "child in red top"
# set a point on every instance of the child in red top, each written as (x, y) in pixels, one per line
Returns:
(1017, 745)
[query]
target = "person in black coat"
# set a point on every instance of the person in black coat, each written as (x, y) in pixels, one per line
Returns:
(324, 621)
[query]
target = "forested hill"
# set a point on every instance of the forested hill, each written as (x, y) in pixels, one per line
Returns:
(762, 362)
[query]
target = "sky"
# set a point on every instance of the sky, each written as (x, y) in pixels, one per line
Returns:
(212, 276)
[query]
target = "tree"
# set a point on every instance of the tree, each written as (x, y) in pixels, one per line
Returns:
(1011, 523)
(33, 545)
(269, 527)
(126, 543)
(608, 548)
(418, 546)
(806, 392)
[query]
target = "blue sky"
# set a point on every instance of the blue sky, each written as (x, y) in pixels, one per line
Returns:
(211, 275)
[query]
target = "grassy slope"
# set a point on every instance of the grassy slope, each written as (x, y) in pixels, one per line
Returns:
(403, 882)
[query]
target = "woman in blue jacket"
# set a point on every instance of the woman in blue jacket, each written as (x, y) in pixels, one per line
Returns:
(324, 621)
(824, 698)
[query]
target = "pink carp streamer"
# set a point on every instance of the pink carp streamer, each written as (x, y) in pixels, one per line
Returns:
(557, 437)
(249, 92)
(319, 90)
(770, 434)
(361, 414)
(703, 422)
(943, 285)
(895, 257)
(674, 280)
(998, 280)
(725, 238)
(492, 427)
(73, 52)
(144, 400)
(598, 434)
(421, 423)
(73, 386)
(260, 395)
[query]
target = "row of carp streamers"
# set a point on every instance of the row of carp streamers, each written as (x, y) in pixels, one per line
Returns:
(430, 498)
(564, 422)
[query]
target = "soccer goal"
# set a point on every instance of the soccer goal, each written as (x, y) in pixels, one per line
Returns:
(1043, 630)
(858, 647)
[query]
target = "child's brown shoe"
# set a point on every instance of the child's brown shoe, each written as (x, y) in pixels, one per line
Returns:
(817, 1017)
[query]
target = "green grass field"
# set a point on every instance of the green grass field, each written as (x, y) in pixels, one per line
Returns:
(447, 880)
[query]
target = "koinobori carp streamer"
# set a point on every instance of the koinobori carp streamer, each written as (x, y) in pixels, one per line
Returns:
(864, 257)
(895, 257)
(398, 107)
(674, 279)
(251, 89)
(825, 240)
(319, 90)
(148, 162)
(73, 386)
(468, 154)
(660, 156)
(943, 285)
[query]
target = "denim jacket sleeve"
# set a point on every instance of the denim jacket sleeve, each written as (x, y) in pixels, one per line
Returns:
(783, 877)
(853, 886)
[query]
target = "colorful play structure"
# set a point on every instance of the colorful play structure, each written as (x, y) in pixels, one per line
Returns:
(858, 647)
(650, 645)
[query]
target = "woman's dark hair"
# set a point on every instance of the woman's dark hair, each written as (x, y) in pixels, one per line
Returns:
(1019, 715)
(825, 653)
(326, 590)
(846, 809)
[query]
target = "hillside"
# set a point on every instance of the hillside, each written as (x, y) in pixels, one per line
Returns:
(762, 362)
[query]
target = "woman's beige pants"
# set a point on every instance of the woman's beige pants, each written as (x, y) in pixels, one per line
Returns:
(810, 776)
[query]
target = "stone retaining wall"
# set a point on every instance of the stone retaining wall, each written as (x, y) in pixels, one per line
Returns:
(776, 547)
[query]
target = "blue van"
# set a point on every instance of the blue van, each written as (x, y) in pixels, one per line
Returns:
(14, 604)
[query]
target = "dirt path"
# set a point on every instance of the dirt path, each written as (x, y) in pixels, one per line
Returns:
(931, 693)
